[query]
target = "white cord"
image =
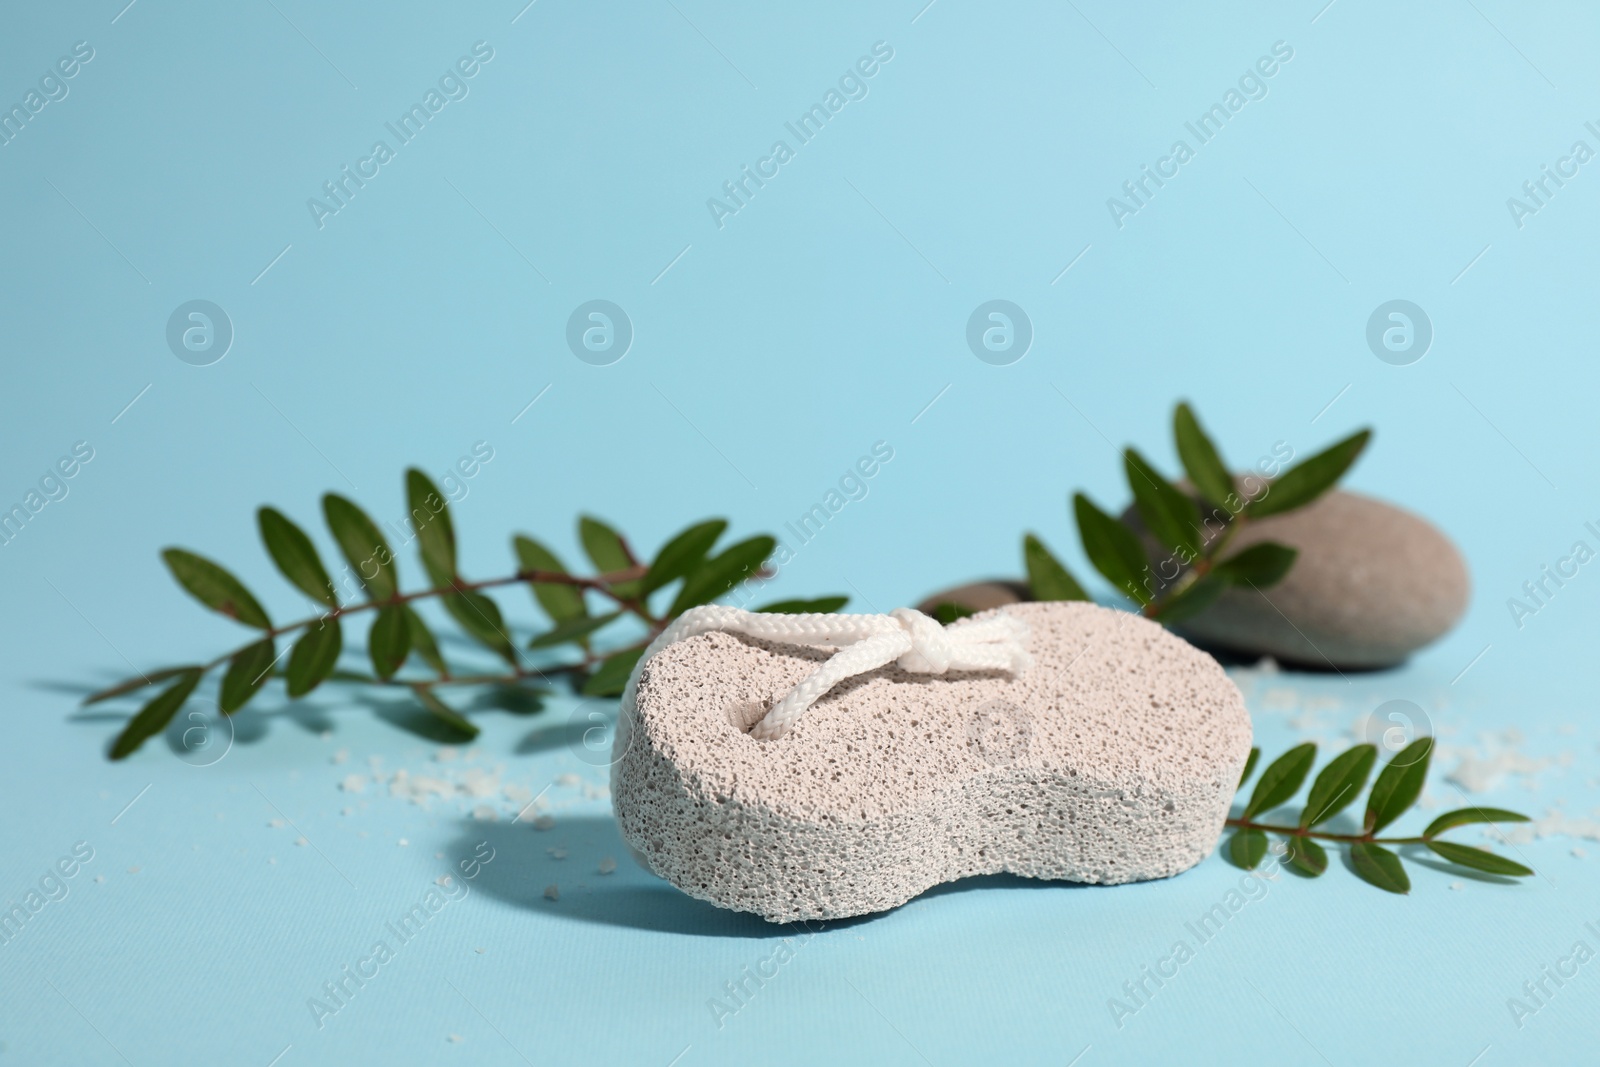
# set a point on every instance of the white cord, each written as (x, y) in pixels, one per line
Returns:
(905, 637)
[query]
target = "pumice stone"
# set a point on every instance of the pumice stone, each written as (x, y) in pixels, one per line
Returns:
(823, 766)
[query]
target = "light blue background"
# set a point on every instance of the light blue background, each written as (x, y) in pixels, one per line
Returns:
(777, 349)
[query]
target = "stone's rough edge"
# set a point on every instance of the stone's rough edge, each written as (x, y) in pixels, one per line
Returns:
(1114, 760)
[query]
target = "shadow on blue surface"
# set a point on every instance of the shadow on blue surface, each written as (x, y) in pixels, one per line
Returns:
(525, 864)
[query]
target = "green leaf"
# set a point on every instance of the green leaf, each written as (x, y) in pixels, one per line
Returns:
(140, 682)
(1479, 859)
(1246, 848)
(1192, 599)
(436, 536)
(1112, 548)
(608, 552)
(314, 656)
(1167, 512)
(825, 605)
(1304, 482)
(573, 630)
(683, 553)
(1466, 816)
(215, 588)
(480, 618)
(1378, 866)
(389, 641)
(1306, 856)
(946, 612)
(559, 601)
(363, 546)
(1398, 785)
(295, 556)
(1047, 578)
(422, 642)
(722, 572)
(1340, 782)
(611, 677)
(1199, 457)
(1249, 765)
(1281, 780)
(445, 713)
(1261, 565)
(247, 672)
(155, 715)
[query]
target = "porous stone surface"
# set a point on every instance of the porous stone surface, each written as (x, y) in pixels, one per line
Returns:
(1113, 759)
(1372, 584)
(979, 596)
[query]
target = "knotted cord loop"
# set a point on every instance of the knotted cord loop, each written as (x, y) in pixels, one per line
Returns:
(905, 637)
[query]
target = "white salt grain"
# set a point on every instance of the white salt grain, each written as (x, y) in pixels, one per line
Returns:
(608, 865)
(552, 892)
(354, 783)
(275, 823)
(569, 780)
(544, 822)
(484, 813)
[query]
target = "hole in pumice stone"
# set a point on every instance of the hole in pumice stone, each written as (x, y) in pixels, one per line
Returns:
(746, 713)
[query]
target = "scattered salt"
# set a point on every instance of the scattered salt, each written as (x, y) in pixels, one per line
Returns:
(568, 780)
(1457, 886)
(133, 870)
(455, 1039)
(275, 823)
(301, 841)
(484, 813)
(99, 878)
(557, 853)
(354, 783)
(480, 783)
(608, 865)
(552, 892)
(544, 822)
(446, 754)
(402, 842)
(341, 756)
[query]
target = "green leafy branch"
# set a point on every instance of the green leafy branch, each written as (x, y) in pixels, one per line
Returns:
(1193, 525)
(689, 563)
(1336, 787)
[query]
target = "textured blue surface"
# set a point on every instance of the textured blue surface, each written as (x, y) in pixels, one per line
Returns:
(768, 353)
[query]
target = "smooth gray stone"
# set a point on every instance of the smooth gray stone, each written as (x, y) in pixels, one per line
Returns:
(979, 596)
(1372, 584)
